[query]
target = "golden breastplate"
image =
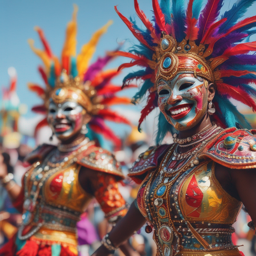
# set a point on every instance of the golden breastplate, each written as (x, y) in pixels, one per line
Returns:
(197, 205)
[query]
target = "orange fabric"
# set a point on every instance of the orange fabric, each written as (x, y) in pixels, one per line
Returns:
(109, 196)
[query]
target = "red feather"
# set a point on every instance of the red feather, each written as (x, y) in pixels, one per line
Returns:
(133, 63)
(104, 130)
(65, 63)
(148, 108)
(113, 89)
(37, 89)
(237, 73)
(237, 94)
(160, 19)
(192, 30)
(116, 101)
(130, 26)
(43, 75)
(240, 49)
(102, 77)
(13, 84)
(40, 109)
(40, 125)
(44, 42)
(144, 19)
(207, 36)
(111, 115)
(239, 25)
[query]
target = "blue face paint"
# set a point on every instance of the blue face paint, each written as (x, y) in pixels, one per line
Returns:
(183, 100)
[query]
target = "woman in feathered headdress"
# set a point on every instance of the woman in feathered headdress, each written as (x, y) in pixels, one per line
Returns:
(63, 180)
(193, 65)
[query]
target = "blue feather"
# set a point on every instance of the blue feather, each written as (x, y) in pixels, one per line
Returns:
(163, 128)
(143, 90)
(134, 75)
(73, 71)
(234, 14)
(166, 9)
(179, 19)
(52, 77)
(142, 50)
(197, 6)
(229, 115)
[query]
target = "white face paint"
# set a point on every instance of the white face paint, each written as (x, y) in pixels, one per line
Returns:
(65, 119)
(183, 100)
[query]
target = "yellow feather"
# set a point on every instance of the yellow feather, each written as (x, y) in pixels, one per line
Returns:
(41, 54)
(88, 49)
(69, 48)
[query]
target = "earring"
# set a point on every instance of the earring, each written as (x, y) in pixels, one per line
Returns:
(51, 138)
(211, 108)
(84, 129)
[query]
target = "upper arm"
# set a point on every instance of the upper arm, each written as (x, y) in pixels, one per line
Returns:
(245, 183)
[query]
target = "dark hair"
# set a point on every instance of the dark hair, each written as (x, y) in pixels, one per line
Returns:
(7, 159)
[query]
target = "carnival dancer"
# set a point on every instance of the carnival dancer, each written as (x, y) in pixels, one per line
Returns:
(63, 179)
(192, 190)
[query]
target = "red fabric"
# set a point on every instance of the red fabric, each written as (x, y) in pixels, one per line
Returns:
(9, 248)
(242, 254)
(29, 249)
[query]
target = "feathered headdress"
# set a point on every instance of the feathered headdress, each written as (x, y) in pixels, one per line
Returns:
(197, 42)
(72, 77)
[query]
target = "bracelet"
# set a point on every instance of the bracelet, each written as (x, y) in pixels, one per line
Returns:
(108, 244)
(7, 179)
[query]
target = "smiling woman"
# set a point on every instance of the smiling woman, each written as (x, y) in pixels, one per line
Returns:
(63, 179)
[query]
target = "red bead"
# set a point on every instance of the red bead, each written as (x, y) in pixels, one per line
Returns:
(148, 229)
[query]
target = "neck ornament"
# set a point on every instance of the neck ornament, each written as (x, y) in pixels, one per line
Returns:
(73, 146)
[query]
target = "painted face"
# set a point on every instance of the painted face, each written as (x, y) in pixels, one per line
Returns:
(183, 100)
(65, 119)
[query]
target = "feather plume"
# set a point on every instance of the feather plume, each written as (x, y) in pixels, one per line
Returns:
(140, 63)
(208, 35)
(104, 78)
(135, 75)
(89, 49)
(112, 89)
(111, 115)
(143, 90)
(37, 89)
(130, 26)
(178, 19)
(236, 93)
(235, 13)
(44, 42)
(240, 49)
(39, 109)
(192, 30)
(43, 75)
(52, 76)
(237, 73)
(165, 6)
(208, 16)
(144, 19)
(151, 105)
(116, 100)
(159, 16)
(197, 6)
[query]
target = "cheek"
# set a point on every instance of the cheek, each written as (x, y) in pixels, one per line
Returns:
(198, 94)
(50, 119)
(77, 119)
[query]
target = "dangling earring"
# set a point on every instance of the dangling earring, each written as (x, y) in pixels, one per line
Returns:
(211, 108)
(51, 138)
(84, 129)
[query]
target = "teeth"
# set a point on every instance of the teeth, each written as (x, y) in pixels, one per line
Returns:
(61, 125)
(178, 111)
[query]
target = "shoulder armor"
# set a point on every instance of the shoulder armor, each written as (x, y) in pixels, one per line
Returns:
(101, 160)
(233, 148)
(147, 161)
(39, 153)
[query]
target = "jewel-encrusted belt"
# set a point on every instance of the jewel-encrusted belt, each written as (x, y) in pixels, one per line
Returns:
(58, 219)
(233, 252)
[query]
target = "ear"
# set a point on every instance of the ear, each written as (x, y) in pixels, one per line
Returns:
(87, 118)
(211, 91)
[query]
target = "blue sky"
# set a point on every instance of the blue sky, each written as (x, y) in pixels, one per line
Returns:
(18, 18)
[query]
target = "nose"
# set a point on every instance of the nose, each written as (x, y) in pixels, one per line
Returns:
(59, 114)
(173, 99)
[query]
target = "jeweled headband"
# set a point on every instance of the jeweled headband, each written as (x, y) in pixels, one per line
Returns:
(72, 78)
(198, 42)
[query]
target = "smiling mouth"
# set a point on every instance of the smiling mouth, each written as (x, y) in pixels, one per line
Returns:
(179, 111)
(62, 127)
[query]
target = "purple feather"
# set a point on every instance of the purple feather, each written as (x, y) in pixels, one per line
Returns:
(239, 60)
(239, 80)
(96, 67)
(225, 42)
(208, 16)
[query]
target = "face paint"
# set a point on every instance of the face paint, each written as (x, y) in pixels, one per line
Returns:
(65, 119)
(183, 100)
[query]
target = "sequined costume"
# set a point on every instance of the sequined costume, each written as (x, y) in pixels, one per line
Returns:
(180, 196)
(52, 198)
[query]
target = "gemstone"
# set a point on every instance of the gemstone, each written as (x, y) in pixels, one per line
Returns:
(165, 234)
(148, 229)
(162, 212)
(26, 217)
(158, 201)
(26, 204)
(253, 147)
(240, 148)
(229, 142)
(161, 190)
(165, 44)
(167, 251)
(167, 62)
(187, 47)
(57, 93)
